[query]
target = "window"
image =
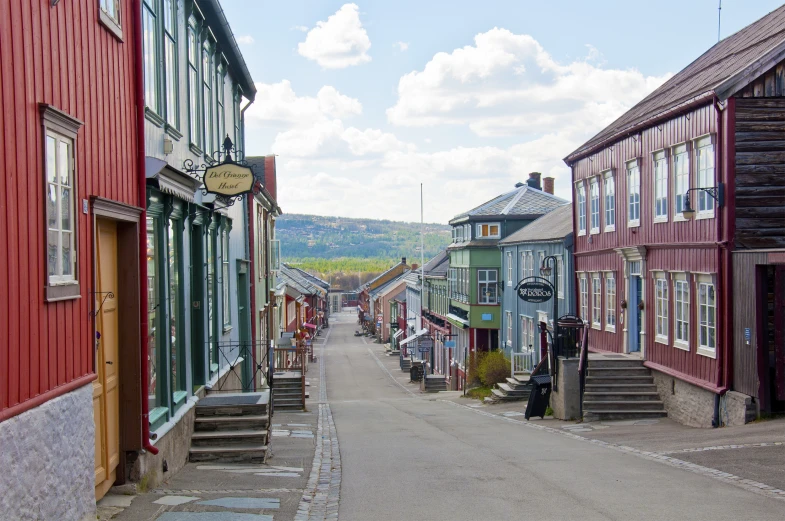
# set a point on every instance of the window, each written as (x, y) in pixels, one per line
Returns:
(524, 338)
(486, 286)
(109, 16)
(707, 316)
(633, 194)
(453, 276)
(175, 327)
(529, 264)
(467, 232)
(661, 308)
(596, 301)
(207, 95)
(211, 302)
(151, 65)
(681, 311)
(225, 280)
(170, 62)
(508, 318)
(581, 197)
(509, 268)
(238, 139)
(584, 288)
(610, 302)
(610, 202)
(488, 230)
(193, 83)
(522, 264)
(681, 179)
(541, 258)
(660, 187)
(594, 191)
(220, 116)
(275, 255)
(154, 381)
(704, 159)
(60, 131)
(560, 276)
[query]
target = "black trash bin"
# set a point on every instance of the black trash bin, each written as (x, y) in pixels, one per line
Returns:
(415, 373)
(540, 396)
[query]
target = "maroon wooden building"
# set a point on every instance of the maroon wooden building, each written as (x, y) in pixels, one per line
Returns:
(657, 280)
(70, 315)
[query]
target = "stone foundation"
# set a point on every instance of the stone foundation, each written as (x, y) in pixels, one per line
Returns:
(566, 399)
(693, 406)
(47, 460)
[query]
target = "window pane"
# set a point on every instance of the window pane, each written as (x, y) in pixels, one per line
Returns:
(51, 160)
(66, 209)
(51, 252)
(150, 60)
(171, 82)
(174, 298)
(63, 163)
(67, 254)
(51, 207)
(169, 16)
(152, 314)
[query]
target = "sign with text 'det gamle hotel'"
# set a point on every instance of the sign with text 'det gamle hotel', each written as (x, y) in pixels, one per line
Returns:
(228, 179)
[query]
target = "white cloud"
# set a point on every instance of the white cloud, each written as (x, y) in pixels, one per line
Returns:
(402, 46)
(339, 42)
(278, 106)
(330, 140)
(245, 39)
(301, 28)
(507, 84)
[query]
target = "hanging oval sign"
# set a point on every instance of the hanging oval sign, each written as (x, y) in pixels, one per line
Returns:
(535, 292)
(228, 179)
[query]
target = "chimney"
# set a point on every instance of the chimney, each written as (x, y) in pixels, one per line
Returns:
(403, 260)
(534, 180)
(547, 185)
(415, 266)
(270, 176)
(519, 184)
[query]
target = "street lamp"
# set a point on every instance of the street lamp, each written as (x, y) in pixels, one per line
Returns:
(545, 271)
(715, 192)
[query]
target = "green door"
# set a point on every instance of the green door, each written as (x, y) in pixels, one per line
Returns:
(244, 319)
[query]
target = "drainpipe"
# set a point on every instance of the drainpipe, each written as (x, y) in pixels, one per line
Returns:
(144, 347)
(242, 127)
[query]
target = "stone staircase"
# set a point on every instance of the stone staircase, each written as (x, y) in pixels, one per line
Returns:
(620, 389)
(406, 364)
(516, 388)
(288, 392)
(232, 427)
(435, 383)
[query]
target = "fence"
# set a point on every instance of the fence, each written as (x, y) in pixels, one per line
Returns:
(523, 362)
(249, 368)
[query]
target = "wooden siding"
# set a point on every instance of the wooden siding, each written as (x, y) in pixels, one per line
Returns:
(601, 340)
(61, 56)
(760, 173)
(745, 362)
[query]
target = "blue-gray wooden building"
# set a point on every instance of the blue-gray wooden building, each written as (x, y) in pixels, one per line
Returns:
(523, 253)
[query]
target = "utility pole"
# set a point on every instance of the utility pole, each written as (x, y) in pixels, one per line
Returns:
(719, 20)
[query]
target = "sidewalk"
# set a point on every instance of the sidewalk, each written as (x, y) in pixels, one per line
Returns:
(237, 492)
(754, 452)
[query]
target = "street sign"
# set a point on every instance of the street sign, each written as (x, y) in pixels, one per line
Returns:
(449, 344)
(535, 291)
(422, 349)
(425, 342)
(228, 179)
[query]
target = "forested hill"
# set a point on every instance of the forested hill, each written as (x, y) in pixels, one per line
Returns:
(332, 237)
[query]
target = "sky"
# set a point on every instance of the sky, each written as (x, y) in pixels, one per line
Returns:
(362, 102)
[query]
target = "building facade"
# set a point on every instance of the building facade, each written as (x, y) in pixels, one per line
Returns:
(523, 254)
(664, 196)
(435, 306)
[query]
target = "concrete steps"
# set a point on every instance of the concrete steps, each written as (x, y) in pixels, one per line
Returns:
(435, 383)
(620, 389)
(516, 388)
(232, 427)
(406, 364)
(288, 393)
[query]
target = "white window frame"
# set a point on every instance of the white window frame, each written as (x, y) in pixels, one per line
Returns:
(704, 177)
(580, 197)
(109, 16)
(541, 258)
(609, 201)
(583, 284)
(594, 205)
(523, 341)
(509, 268)
(489, 235)
(633, 182)
(482, 299)
(508, 316)
(680, 158)
(708, 282)
(529, 263)
(610, 301)
(681, 307)
(661, 183)
(522, 263)
(596, 301)
(661, 307)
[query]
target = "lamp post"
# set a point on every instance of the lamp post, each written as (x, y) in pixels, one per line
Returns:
(715, 192)
(545, 271)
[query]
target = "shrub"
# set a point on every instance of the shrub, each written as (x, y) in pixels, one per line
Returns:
(494, 368)
(473, 369)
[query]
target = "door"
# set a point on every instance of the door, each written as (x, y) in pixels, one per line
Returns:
(106, 387)
(244, 322)
(634, 311)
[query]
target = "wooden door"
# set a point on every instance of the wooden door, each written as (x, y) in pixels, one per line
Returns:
(106, 386)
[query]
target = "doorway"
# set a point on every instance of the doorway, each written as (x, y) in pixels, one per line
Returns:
(635, 314)
(106, 387)
(772, 348)
(244, 322)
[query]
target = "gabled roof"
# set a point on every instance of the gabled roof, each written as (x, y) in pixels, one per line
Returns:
(312, 279)
(723, 70)
(438, 266)
(380, 290)
(384, 274)
(523, 201)
(294, 278)
(551, 226)
(400, 296)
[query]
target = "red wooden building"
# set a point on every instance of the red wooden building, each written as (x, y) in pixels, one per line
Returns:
(70, 203)
(656, 280)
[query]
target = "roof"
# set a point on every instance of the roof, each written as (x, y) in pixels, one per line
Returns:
(400, 296)
(438, 266)
(312, 279)
(523, 201)
(214, 14)
(389, 286)
(724, 69)
(259, 164)
(381, 275)
(413, 277)
(294, 278)
(552, 226)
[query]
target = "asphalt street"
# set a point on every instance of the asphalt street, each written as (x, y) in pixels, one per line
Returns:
(411, 456)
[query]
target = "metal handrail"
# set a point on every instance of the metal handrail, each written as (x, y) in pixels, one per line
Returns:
(583, 363)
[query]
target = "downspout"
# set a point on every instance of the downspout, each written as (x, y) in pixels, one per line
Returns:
(252, 299)
(141, 174)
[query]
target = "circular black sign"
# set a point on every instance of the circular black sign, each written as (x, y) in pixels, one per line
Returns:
(535, 292)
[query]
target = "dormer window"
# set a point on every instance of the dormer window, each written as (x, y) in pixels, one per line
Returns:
(488, 231)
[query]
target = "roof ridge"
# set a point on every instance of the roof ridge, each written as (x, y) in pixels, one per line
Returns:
(522, 190)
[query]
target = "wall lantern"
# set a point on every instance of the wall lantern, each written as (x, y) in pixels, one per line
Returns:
(715, 192)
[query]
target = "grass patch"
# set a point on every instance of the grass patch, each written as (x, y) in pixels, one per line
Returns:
(479, 393)
(548, 411)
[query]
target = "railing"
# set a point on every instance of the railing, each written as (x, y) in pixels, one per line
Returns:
(253, 359)
(583, 364)
(290, 359)
(522, 362)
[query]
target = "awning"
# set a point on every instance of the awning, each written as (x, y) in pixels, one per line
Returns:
(309, 325)
(398, 334)
(408, 339)
(458, 321)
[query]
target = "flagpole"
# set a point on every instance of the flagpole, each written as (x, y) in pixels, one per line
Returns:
(422, 266)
